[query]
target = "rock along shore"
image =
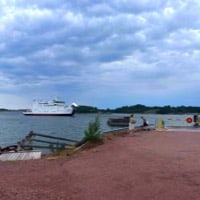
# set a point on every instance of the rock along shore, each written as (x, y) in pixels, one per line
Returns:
(160, 165)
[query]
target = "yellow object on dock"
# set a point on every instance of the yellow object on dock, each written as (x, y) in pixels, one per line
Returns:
(161, 123)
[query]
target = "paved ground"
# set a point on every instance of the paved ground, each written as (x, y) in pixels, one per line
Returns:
(154, 165)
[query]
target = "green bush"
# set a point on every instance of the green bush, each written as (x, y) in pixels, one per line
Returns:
(93, 132)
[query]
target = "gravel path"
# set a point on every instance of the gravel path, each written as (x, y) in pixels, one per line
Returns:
(153, 165)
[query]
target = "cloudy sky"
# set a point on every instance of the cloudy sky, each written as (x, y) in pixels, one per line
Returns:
(100, 53)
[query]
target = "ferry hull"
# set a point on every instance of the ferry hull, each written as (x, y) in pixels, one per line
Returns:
(48, 114)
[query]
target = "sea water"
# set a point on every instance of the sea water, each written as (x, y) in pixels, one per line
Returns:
(14, 126)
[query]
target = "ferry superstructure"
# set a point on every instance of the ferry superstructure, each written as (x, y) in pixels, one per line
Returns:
(51, 108)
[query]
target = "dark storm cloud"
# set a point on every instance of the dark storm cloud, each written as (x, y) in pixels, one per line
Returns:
(47, 45)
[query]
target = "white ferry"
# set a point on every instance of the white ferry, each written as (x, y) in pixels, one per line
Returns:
(51, 108)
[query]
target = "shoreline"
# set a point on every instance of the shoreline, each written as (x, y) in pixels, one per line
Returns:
(153, 164)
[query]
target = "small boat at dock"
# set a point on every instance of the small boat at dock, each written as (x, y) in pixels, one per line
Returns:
(120, 122)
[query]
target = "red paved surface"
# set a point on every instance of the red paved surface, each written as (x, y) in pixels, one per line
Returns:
(152, 165)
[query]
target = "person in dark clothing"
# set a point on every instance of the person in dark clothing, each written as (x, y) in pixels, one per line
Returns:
(145, 122)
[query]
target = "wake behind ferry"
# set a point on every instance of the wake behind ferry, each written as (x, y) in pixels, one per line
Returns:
(51, 108)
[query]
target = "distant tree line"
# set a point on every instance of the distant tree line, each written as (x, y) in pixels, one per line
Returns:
(87, 109)
(142, 109)
(2, 109)
(139, 108)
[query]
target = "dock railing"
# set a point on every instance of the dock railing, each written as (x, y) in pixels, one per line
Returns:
(42, 141)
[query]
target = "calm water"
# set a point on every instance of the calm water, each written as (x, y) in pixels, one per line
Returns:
(14, 126)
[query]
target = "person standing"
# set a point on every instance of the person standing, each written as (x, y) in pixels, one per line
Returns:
(131, 124)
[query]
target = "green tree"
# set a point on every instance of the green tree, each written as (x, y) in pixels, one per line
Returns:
(93, 132)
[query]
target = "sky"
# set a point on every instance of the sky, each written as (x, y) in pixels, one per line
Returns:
(105, 54)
